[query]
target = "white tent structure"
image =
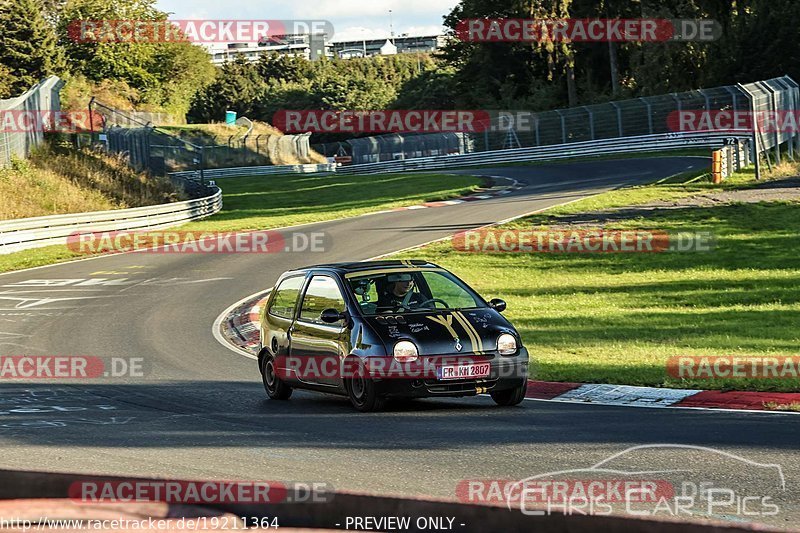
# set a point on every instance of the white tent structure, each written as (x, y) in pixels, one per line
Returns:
(388, 49)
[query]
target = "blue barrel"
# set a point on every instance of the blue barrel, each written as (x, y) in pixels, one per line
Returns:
(230, 118)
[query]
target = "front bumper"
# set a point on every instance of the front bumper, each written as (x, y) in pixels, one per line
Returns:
(506, 372)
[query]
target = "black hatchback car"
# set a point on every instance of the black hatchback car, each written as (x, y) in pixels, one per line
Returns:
(382, 329)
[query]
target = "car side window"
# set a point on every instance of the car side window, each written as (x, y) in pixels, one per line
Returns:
(285, 300)
(322, 293)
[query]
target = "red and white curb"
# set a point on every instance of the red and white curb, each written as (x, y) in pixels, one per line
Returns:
(628, 395)
(240, 327)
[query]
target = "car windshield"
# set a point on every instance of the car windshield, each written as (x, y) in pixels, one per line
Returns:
(410, 291)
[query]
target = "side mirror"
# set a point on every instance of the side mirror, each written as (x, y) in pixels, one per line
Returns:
(331, 316)
(497, 304)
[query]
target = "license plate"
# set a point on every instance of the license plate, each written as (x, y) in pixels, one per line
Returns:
(476, 370)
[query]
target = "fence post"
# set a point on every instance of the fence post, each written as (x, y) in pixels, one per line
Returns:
(774, 105)
(202, 164)
(91, 119)
(649, 114)
(563, 126)
(754, 154)
(619, 118)
(591, 122)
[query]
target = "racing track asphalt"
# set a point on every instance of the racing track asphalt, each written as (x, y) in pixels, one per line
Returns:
(200, 411)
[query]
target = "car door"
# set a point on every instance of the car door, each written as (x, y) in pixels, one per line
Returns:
(279, 316)
(317, 346)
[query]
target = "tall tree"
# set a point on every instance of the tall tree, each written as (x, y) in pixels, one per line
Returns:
(28, 44)
(166, 74)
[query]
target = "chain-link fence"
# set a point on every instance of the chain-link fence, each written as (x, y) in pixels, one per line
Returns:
(41, 98)
(146, 147)
(626, 118)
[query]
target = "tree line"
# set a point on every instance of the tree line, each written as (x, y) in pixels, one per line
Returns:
(758, 40)
(37, 39)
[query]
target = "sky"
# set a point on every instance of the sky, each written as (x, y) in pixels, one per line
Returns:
(351, 19)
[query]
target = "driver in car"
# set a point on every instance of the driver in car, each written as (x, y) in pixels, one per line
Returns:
(399, 293)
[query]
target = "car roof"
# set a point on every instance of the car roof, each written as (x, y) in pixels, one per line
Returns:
(343, 268)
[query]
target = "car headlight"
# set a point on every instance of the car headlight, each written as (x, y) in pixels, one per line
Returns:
(506, 344)
(405, 352)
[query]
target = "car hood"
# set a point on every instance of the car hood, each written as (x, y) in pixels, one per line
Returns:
(434, 333)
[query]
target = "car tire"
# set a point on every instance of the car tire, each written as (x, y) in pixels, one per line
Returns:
(509, 397)
(276, 388)
(363, 392)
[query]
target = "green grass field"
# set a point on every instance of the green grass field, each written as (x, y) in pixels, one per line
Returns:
(276, 201)
(619, 317)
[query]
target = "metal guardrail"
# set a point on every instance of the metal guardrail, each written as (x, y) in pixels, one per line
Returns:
(255, 171)
(26, 233)
(622, 145)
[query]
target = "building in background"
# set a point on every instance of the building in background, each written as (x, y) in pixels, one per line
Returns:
(309, 46)
(315, 46)
(404, 45)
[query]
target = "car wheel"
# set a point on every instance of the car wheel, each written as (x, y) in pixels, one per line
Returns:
(510, 397)
(363, 393)
(276, 388)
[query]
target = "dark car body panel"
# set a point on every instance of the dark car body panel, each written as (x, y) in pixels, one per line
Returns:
(366, 337)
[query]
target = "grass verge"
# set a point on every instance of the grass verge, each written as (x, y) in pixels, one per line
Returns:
(619, 318)
(276, 201)
(58, 180)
